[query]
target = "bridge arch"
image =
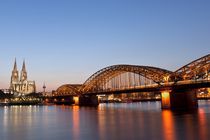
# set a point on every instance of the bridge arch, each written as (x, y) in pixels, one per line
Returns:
(155, 74)
(196, 69)
(67, 89)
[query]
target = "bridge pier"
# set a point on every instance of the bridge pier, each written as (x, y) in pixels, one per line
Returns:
(86, 100)
(179, 99)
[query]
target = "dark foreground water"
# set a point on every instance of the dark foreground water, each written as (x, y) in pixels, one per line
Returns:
(134, 121)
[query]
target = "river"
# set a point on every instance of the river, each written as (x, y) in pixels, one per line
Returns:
(124, 121)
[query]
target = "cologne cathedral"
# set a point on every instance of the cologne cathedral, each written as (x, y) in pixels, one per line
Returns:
(20, 84)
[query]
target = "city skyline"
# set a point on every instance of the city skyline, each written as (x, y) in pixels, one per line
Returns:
(68, 41)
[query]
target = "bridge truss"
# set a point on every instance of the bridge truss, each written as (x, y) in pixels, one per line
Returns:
(118, 77)
(198, 69)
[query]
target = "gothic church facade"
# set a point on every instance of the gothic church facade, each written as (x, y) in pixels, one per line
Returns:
(21, 84)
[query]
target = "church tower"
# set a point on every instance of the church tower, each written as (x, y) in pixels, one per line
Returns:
(21, 85)
(23, 76)
(15, 75)
(14, 78)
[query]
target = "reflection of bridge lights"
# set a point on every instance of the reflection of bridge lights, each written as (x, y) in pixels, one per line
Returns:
(75, 108)
(168, 125)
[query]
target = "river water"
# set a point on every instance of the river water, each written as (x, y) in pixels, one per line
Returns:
(132, 121)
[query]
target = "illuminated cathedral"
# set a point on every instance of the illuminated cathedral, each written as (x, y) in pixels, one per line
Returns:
(21, 84)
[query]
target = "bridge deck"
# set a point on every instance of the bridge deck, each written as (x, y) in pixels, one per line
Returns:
(190, 84)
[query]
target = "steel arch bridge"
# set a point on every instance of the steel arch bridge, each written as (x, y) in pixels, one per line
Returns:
(107, 74)
(68, 89)
(198, 69)
(119, 77)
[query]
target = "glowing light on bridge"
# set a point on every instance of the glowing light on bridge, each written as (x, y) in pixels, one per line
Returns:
(76, 100)
(166, 99)
(165, 94)
(166, 78)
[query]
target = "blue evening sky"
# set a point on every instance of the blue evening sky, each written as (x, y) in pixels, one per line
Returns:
(66, 41)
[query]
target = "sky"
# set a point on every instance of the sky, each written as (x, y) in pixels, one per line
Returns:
(66, 41)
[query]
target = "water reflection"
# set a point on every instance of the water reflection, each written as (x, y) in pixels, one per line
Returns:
(107, 122)
(203, 129)
(13, 120)
(76, 122)
(168, 125)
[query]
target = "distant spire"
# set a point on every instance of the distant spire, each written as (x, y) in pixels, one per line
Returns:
(15, 75)
(24, 66)
(23, 76)
(44, 86)
(15, 66)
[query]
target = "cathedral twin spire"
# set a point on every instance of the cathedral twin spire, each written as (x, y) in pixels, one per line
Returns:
(21, 84)
(15, 75)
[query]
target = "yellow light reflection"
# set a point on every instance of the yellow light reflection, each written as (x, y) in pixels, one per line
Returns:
(76, 122)
(168, 125)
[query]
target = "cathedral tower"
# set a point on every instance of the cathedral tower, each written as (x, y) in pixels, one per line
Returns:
(23, 76)
(15, 75)
(21, 85)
